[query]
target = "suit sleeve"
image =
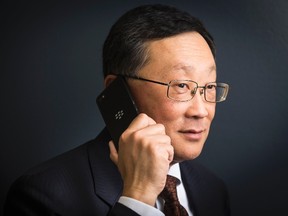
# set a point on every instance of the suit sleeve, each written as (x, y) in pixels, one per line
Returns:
(26, 199)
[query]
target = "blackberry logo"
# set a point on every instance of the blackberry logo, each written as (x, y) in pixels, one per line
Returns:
(119, 115)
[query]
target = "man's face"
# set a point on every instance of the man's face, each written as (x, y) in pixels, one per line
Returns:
(183, 57)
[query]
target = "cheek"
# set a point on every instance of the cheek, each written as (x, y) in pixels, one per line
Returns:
(153, 102)
(170, 115)
(162, 111)
(209, 119)
(211, 112)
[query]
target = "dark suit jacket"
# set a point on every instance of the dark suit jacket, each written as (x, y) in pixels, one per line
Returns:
(84, 181)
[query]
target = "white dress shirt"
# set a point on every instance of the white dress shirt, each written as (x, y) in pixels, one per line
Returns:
(147, 210)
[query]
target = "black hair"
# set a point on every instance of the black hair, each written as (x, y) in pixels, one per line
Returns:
(125, 48)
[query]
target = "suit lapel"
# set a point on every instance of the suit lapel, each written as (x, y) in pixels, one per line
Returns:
(206, 193)
(192, 183)
(107, 179)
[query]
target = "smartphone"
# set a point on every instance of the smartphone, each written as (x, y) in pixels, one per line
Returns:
(117, 107)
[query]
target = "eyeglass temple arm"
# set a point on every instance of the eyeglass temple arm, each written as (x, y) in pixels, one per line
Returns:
(147, 80)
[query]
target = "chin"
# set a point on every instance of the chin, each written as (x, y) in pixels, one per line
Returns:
(187, 149)
(186, 155)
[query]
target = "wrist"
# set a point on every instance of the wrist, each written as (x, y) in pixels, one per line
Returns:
(143, 195)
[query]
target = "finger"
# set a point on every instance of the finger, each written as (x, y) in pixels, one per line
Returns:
(155, 129)
(113, 152)
(150, 120)
(140, 122)
(165, 146)
(170, 154)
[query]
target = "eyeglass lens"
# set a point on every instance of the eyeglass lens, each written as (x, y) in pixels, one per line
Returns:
(184, 90)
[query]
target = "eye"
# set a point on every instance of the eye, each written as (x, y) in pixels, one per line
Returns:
(183, 85)
(180, 87)
(211, 86)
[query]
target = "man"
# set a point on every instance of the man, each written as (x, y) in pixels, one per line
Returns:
(168, 60)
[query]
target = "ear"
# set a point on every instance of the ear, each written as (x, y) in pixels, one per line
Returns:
(108, 79)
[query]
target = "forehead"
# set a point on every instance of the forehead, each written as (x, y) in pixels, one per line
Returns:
(184, 53)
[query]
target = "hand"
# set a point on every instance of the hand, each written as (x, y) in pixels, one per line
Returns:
(143, 158)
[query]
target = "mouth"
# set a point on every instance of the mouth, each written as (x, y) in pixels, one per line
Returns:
(192, 134)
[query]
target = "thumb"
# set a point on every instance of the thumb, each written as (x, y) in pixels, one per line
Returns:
(113, 152)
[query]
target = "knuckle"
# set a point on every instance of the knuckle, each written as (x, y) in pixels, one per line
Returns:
(124, 135)
(136, 135)
(142, 116)
(168, 139)
(161, 128)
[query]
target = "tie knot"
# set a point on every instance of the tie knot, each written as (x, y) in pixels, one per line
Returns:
(171, 182)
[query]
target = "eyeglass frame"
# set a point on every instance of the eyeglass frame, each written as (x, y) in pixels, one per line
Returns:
(226, 86)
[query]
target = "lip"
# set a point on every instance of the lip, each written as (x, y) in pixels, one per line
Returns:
(192, 134)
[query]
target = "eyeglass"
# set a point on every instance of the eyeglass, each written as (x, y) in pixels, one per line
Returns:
(184, 90)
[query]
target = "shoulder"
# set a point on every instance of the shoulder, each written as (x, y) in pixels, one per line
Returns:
(59, 183)
(74, 161)
(67, 166)
(49, 181)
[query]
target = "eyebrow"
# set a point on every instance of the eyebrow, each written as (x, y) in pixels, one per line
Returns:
(184, 67)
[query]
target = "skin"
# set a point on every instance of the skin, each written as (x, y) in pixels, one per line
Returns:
(169, 131)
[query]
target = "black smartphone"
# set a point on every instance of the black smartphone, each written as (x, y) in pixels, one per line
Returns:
(117, 107)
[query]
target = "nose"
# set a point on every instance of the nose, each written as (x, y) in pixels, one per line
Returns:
(198, 106)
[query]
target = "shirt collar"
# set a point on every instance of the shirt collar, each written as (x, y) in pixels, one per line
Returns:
(174, 170)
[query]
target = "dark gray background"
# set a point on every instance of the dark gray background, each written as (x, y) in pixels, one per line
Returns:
(51, 63)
